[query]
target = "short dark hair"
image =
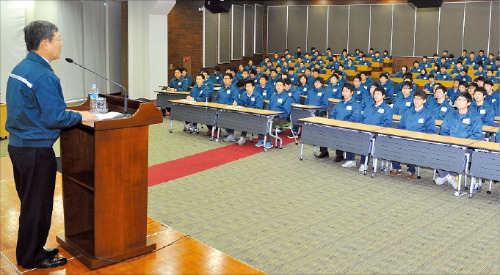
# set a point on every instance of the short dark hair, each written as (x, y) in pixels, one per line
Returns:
(489, 82)
(229, 74)
(202, 76)
(241, 83)
(320, 80)
(248, 81)
(36, 31)
(287, 81)
(217, 68)
(431, 76)
(315, 70)
(466, 95)
(407, 83)
(481, 89)
(380, 89)
(421, 94)
(441, 87)
(280, 81)
(349, 86)
(264, 76)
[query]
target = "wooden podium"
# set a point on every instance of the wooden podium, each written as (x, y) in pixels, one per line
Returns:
(105, 182)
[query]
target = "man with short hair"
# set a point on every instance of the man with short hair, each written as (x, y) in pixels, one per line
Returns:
(35, 117)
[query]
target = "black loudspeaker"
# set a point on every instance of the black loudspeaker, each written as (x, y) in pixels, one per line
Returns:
(218, 6)
(427, 3)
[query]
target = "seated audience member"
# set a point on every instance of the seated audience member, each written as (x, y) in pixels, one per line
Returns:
(377, 113)
(279, 70)
(249, 99)
(478, 65)
(347, 110)
(364, 61)
(274, 77)
(318, 66)
(238, 76)
(480, 72)
(451, 61)
(342, 74)
(216, 76)
(298, 53)
(208, 82)
(481, 56)
(228, 94)
(317, 96)
(424, 64)
(200, 93)
(349, 65)
(178, 83)
(250, 65)
(359, 91)
(366, 81)
(463, 123)
(443, 63)
(388, 86)
(485, 110)
(400, 74)
(343, 56)
(377, 58)
(331, 65)
(442, 74)
(453, 91)
(415, 68)
(471, 60)
(443, 105)
(422, 74)
(496, 66)
(463, 76)
(405, 101)
(386, 55)
(301, 68)
(435, 59)
(492, 97)
(491, 76)
(281, 102)
(406, 77)
(445, 54)
(435, 69)
(334, 89)
(471, 88)
(187, 76)
(429, 86)
(419, 119)
(490, 60)
(368, 98)
(264, 88)
(276, 58)
(303, 86)
(458, 68)
(294, 78)
(264, 62)
(292, 92)
(254, 76)
(371, 53)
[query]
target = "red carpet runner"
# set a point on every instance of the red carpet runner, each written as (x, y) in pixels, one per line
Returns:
(189, 165)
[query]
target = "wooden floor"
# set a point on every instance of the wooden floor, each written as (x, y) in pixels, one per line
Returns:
(185, 256)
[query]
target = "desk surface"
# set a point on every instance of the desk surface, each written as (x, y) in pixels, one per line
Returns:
(334, 100)
(341, 123)
(487, 145)
(487, 129)
(425, 136)
(302, 106)
(172, 92)
(226, 107)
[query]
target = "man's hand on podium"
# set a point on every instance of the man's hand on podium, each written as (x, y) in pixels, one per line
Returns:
(88, 117)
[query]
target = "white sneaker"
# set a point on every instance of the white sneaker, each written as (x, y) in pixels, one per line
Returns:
(349, 164)
(229, 138)
(440, 181)
(269, 145)
(451, 180)
(362, 168)
(260, 143)
(242, 141)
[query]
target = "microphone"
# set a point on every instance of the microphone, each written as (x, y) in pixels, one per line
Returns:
(125, 107)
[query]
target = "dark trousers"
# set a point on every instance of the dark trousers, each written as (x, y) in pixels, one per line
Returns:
(35, 177)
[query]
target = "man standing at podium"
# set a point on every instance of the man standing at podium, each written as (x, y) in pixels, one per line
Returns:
(36, 113)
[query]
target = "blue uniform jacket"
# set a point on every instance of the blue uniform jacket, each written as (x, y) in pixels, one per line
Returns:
(252, 101)
(452, 94)
(441, 110)
(494, 99)
(200, 93)
(401, 104)
(304, 89)
(36, 110)
(380, 115)
(486, 112)
(440, 76)
(399, 74)
(465, 78)
(227, 95)
(423, 64)
(389, 88)
(294, 78)
(180, 84)
(189, 79)
(334, 91)
(429, 86)
(266, 92)
(317, 97)
(421, 76)
(294, 95)
(469, 126)
(280, 102)
(493, 79)
(216, 78)
(359, 93)
(421, 121)
(347, 111)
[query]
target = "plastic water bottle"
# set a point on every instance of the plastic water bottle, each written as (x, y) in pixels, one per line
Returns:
(94, 95)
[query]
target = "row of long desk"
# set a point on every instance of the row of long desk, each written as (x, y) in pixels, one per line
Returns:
(427, 150)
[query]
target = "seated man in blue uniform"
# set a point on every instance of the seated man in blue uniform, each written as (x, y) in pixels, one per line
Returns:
(492, 97)
(463, 123)
(404, 101)
(200, 93)
(443, 104)
(429, 86)
(442, 74)
(377, 58)
(386, 55)
(415, 68)
(178, 83)
(485, 110)
(453, 91)
(187, 76)
(377, 113)
(294, 78)
(281, 102)
(216, 76)
(35, 117)
(388, 85)
(463, 76)
(490, 75)
(419, 119)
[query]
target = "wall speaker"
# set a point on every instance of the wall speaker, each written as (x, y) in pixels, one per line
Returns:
(426, 3)
(218, 6)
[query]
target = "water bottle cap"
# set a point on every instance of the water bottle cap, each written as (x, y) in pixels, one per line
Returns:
(94, 85)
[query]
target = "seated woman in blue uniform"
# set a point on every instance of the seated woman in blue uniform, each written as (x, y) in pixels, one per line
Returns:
(422, 74)
(415, 68)
(463, 123)
(419, 119)
(404, 70)
(386, 55)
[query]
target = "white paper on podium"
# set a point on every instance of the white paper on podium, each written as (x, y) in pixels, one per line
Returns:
(108, 115)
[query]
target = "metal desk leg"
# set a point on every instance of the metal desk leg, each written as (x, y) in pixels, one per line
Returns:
(301, 157)
(213, 130)
(315, 152)
(218, 134)
(471, 188)
(171, 124)
(375, 163)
